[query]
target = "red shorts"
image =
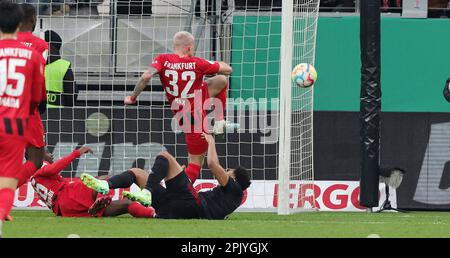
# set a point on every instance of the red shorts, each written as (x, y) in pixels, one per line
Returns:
(75, 199)
(35, 132)
(195, 144)
(12, 151)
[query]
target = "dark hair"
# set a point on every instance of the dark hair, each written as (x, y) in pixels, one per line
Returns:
(53, 39)
(242, 177)
(10, 17)
(29, 12)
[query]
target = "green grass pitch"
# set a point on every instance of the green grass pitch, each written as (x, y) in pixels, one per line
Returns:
(246, 225)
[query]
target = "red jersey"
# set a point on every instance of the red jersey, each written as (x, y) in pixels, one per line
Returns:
(36, 130)
(47, 181)
(21, 85)
(181, 77)
(34, 42)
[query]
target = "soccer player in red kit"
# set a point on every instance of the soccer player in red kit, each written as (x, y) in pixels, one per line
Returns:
(26, 30)
(35, 148)
(68, 198)
(21, 84)
(182, 76)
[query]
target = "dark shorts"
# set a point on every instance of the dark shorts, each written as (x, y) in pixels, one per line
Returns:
(179, 200)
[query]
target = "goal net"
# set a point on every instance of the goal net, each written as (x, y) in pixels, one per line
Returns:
(109, 43)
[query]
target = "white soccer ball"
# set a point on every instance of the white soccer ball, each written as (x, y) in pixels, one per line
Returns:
(304, 75)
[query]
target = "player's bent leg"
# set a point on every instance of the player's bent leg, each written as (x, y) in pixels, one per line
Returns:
(223, 126)
(193, 171)
(218, 89)
(194, 167)
(198, 160)
(165, 166)
(141, 177)
(144, 197)
(99, 205)
(137, 210)
(7, 191)
(173, 167)
(116, 208)
(216, 84)
(11, 156)
(123, 180)
(100, 186)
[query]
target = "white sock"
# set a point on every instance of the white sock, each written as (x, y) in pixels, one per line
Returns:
(145, 190)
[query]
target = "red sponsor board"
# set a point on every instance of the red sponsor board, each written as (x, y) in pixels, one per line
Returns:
(323, 195)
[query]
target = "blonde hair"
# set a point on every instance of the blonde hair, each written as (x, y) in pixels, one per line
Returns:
(183, 38)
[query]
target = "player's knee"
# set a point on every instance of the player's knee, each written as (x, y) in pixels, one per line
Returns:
(136, 171)
(161, 164)
(219, 82)
(140, 175)
(222, 79)
(165, 154)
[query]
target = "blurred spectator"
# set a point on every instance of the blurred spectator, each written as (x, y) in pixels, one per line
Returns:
(62, 7)
(392, 6)
(47, 7)
(138, 7)
(42, 6)
(87, 7)
(437, 8)
(262, 5)
(337, 6)
(61, 88)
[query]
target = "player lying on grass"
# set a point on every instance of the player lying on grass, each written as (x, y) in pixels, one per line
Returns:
(182, 76)
(179, 199)
(69, 198)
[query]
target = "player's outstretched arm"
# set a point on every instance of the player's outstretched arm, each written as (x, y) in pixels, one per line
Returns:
(213, 161)
(140, 86)
(59, 165)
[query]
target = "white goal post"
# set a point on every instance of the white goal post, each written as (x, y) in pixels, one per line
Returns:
(298, 42)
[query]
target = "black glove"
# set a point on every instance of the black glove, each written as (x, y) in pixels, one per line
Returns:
(447, 90)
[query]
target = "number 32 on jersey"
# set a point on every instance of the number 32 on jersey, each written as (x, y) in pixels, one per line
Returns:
(186, 76)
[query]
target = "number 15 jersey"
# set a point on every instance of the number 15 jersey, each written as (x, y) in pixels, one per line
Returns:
(21, 86)
(182, 76)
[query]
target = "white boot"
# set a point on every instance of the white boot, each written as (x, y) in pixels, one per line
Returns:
(222, 126)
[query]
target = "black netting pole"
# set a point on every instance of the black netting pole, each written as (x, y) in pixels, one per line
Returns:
(370, 101)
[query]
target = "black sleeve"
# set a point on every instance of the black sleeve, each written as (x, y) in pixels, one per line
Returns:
(447, 90)
(69, 97)
(42, 107)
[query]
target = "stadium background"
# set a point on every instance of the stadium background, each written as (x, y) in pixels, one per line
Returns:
(415, 132)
